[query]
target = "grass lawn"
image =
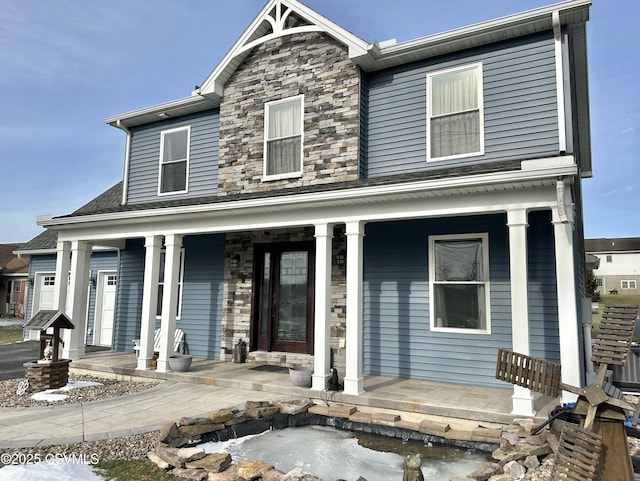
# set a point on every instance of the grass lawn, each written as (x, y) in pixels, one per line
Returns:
(611, 299)
(10, 334)
(136, 470)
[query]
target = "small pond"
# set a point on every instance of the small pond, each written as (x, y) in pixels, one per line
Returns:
(334, 454)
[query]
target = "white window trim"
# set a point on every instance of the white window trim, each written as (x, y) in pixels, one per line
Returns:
(430, 75)
(487, 291)
(180, 284)
(629, 283)
(161, 163)
(288, 175)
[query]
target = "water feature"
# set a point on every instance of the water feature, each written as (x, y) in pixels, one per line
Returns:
(334, 454)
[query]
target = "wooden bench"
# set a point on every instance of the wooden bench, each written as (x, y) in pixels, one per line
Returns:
(178, 342)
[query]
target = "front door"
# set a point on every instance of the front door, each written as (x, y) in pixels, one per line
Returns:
(105, 308)
(283, 299)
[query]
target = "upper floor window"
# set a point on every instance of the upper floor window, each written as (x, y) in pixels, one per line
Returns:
(283, 138)
(174, 160)
(459, 283)
(609, 258)
(455, 125)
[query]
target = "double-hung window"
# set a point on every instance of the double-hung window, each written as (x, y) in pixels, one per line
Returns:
(455, 125)
(631, 284)
(161, 283)
(459, 283)
(283, 138)
(174, 160)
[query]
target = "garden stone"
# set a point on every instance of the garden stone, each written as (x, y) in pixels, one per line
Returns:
(213, 462)
(251, 470)
(515, 470)
(190, 474)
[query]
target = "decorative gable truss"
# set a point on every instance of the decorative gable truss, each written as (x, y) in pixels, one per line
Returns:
(277, 19)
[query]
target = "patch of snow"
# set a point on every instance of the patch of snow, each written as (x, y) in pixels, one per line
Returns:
(331, 454)
(52, 395)
(49, 471)
(10, 323)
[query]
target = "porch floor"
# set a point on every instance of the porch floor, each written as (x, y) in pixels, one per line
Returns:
(413, 400)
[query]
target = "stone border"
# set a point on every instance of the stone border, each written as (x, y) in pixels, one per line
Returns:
(513, 448)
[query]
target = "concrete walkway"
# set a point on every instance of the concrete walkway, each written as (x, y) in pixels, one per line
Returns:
(212, 385)
(133, 414)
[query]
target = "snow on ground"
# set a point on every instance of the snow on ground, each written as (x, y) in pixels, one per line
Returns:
(53, 394)
(10, 323)
(331, 454)
(53, 470)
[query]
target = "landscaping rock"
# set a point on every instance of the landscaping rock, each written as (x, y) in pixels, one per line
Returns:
(158, 461)
(251, 470)
(298, 474)
(169, 455)
(229, 474)
(191, 474)
(197, 430)
(262, 412)
(167, 432)
(191, 454)
(273, 475)
(434, 427)
(257, 404)
(220, 417)
(212, 463)
(515, 470)
(298, 406)
(484, 472)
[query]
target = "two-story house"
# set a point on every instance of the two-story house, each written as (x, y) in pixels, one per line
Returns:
(394, 209)
(618, 271)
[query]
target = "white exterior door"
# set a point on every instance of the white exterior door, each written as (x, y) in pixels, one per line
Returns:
(45, 284)
(105, 308)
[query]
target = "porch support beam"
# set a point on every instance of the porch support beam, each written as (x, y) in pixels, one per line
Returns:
(152, 245)
(63, 264)
(517, 221)
(74, 339)
(567, 301)
(173, 245)
(322, 330)
(354, 378)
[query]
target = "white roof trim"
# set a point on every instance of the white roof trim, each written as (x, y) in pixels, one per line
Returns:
(256, 34)
(535, 173)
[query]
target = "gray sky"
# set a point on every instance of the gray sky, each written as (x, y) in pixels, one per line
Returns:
(65, 65)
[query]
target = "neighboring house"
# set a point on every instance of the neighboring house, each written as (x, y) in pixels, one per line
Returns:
(619, 269)
(394, 209)
(14, 271)
(101, 283)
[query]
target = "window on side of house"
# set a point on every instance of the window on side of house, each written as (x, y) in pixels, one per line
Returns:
(599, 282)
(631, 284)
(283, 139)
(174, 161)
(459, 283)
(455, 117)
(161, 283)
(609, 258)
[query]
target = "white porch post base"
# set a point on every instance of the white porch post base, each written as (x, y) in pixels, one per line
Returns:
(143, 363)
(522, 402)
(354, 386)
(319, 382)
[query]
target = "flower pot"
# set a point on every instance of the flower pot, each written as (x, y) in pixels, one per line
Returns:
(300, 376)
(180, 362)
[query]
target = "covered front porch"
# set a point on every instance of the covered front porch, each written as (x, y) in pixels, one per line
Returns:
(463, 407)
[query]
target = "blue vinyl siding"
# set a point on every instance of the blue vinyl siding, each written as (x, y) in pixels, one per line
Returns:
(397, 337)
(201, 316)
(100, 261)
(520, 112)
(543, 300)
(129, 296)
(203, 158)
(202, 290)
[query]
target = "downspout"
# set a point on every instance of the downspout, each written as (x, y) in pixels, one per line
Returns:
(127, 157)
(557, 37)
(560, 199)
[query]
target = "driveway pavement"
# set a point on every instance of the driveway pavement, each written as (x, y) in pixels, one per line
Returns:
(13, 356)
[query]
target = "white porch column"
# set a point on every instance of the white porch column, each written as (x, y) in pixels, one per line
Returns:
(63, 264)
(173, 244)
(322, 330)
(567, 303)
(354, 379)
(74, 339)
(152, 245)
(522, 398)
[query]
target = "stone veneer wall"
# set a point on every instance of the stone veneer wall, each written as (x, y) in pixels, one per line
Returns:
(311, 64)
(236, 313)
